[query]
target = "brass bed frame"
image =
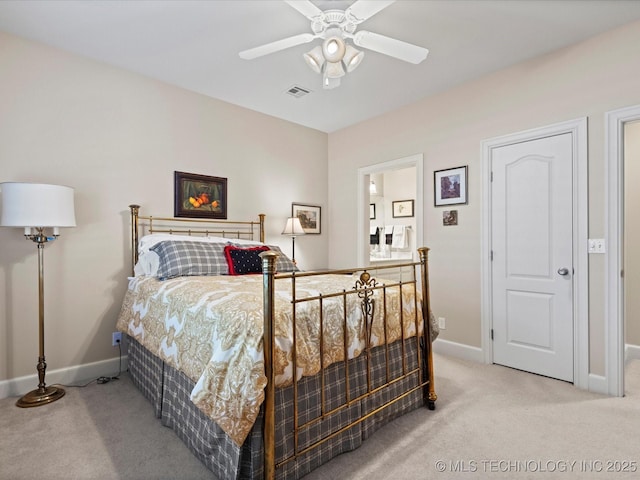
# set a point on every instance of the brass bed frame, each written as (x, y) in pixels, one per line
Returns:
(364, 287)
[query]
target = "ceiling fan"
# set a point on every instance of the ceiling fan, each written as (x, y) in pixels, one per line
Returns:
(335, 27)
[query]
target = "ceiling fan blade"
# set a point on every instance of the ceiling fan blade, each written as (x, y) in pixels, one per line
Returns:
(276, 46)
(390, 46)
(362, 10)
(305, 7)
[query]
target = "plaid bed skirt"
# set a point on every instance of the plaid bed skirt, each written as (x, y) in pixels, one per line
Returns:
(168, 391)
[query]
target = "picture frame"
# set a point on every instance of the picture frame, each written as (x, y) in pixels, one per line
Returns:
(402, 208)
(309, 215)
(450, 186)
(450, 218)
(199, 196)
(372, 211)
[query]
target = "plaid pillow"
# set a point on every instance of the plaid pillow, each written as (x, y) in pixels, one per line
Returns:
(183, 258)
(283, 263)
(242, 261)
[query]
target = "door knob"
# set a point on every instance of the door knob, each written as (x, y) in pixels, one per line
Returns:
(563, 271)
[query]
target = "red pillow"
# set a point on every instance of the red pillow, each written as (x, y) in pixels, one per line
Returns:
(242, 261)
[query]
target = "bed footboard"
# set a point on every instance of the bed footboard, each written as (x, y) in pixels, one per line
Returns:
(375, 398)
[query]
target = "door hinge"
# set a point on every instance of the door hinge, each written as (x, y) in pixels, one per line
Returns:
(491, 177)
(492, 334)
(491, 255)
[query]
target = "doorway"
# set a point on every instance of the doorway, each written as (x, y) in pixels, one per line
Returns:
(616, 122)
(631, 256)
(508, 306)
(365, 175)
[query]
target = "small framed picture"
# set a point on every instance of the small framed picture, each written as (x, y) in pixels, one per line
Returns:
(372, 211)
(449, 218)
(450, 186)
(309, 216)
(199, 196)
(402, 208)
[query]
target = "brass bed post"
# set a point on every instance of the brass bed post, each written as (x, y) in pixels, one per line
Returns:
(134, 235)
(268, 436)
(430, 395)
(261, 227)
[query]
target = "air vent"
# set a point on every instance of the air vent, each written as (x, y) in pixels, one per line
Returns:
(298, 92)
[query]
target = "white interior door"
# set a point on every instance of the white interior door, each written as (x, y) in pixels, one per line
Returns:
(532, 256)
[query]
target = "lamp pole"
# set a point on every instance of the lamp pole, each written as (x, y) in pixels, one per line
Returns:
(43, 394)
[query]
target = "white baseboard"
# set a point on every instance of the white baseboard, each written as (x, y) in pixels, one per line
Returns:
(78, 374)
(631, 352)
(458, 350)
(598, 384)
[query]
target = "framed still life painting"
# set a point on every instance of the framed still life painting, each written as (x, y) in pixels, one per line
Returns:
(199, 196)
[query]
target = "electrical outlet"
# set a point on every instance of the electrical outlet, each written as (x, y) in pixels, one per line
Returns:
(442, 323)
(596, 245)
(116, 339)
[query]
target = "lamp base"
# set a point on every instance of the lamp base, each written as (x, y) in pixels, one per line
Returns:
(40, 396)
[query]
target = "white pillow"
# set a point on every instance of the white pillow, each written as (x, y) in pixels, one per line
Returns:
(148, 263)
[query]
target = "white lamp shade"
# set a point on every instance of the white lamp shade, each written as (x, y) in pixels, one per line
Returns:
(334, 70)
(293, 227)
(333, 49)
(352, 58)
(36, 205)
(314, 59)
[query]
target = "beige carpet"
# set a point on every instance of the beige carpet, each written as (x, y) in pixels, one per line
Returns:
(490, 422)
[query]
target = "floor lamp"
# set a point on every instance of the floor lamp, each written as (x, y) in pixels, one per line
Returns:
(294, 229)
(38, 208)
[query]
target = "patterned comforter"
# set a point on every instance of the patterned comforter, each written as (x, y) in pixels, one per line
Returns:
(211, 329)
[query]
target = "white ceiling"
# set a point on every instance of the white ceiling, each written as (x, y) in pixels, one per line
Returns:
(195, 45)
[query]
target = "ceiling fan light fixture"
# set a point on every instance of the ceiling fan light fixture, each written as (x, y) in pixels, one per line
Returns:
(333, 49)
(352, 58)
(335, 27)
(315, 59)
(334, 70)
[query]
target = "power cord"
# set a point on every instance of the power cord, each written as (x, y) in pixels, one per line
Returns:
(101, 380)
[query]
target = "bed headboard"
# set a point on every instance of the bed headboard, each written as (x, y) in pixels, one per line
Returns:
(144, 225)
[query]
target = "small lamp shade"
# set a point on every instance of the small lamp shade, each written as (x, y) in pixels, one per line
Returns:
(314, 59)
(293, 227)
(352, 58)
(36, 205)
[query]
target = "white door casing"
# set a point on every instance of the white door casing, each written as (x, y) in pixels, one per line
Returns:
(532, 258)
(578, 130)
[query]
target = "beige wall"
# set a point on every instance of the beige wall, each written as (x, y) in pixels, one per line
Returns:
(632, 233)
(117, 137)
(584, 80)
